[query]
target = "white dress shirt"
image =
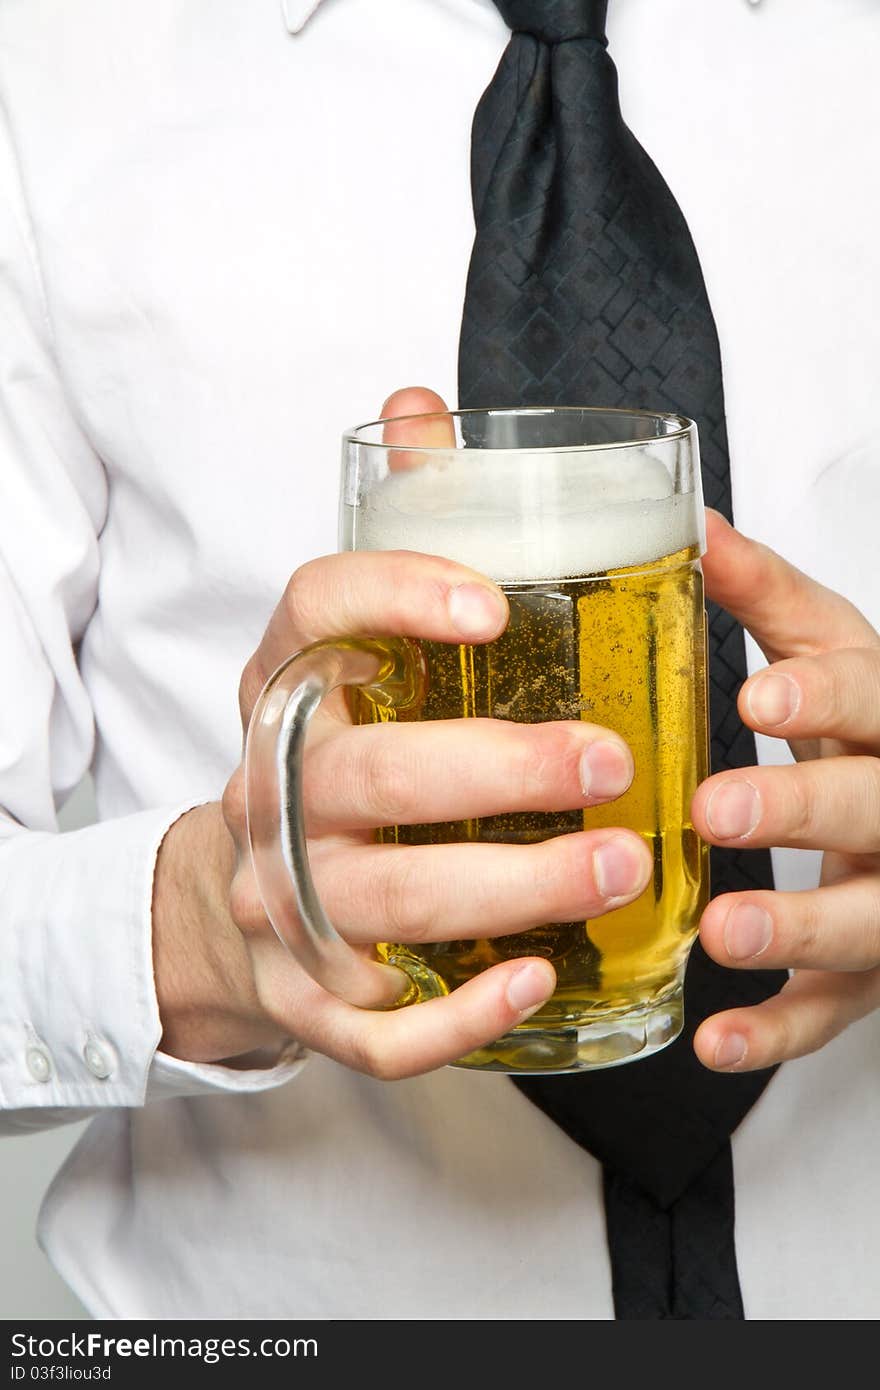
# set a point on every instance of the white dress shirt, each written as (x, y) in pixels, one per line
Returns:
(226, 233)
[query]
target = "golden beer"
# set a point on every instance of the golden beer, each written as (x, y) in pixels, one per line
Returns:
(624, 649)
(592, 522)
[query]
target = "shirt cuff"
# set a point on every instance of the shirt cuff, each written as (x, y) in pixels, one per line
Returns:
(170, 1077)
(79, 1021)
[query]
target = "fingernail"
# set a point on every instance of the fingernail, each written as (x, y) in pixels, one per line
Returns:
(619, 869)
(731, 1050)
(528, 988)
(747, 931)
(475, 610)
(606, 768)
(772, 700)
(733, 810)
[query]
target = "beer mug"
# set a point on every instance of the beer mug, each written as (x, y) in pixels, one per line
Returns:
(592, 523)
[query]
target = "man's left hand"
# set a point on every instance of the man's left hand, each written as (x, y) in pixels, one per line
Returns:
(821, 692)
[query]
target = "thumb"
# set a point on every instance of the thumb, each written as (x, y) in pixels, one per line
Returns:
(787, 613)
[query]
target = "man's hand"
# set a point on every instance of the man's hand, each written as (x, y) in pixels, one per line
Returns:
(226, 985)
(822, 694)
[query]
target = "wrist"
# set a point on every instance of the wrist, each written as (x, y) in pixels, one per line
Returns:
(208, 1003)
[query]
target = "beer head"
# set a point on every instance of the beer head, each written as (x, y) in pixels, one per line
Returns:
(533, 515)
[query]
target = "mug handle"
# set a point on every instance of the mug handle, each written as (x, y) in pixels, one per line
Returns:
(391, 673)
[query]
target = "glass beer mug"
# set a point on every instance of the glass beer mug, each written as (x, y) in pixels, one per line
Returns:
(592, 523)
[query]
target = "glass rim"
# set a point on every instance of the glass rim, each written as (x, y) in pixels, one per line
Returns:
(683, 427)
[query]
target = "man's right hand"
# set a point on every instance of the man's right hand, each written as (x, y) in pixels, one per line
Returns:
(225, 983)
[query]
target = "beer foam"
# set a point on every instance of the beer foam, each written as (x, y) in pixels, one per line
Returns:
(532, 516)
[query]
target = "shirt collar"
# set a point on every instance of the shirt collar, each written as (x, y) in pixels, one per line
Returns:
(297, 13)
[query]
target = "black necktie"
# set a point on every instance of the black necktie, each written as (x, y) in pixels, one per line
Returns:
(585, 289)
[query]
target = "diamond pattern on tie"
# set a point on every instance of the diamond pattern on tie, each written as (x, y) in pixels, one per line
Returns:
(585, 288)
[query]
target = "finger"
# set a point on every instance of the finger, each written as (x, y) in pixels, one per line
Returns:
(831, 804)
(812, 1008)
(418, 421)
(415, 400)
(382, 593)
(837, 867)
(420, 1037)
(414, 1040)
(832, 695)
(458, 769)
(449, 892)
(786, 612)
(835, 928)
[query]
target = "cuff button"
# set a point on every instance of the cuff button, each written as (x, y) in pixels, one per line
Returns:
(39, 1063)
(97, 1060)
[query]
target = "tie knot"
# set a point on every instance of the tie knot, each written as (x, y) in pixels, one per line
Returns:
(554, 21)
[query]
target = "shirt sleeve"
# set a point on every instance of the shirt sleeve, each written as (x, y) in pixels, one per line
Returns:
(79, 1021)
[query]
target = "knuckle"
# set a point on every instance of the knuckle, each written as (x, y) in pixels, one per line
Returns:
(542, 762)
(372, 1056)
(779, 1043)
(245, 906)
(412, 590)
(385, 778)
(409, 906)
(833, 689)
(809, 927)
(253, 678)
(801, 811)
(845, 686)
(233, 805)
(299, 598)
(559, 875)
